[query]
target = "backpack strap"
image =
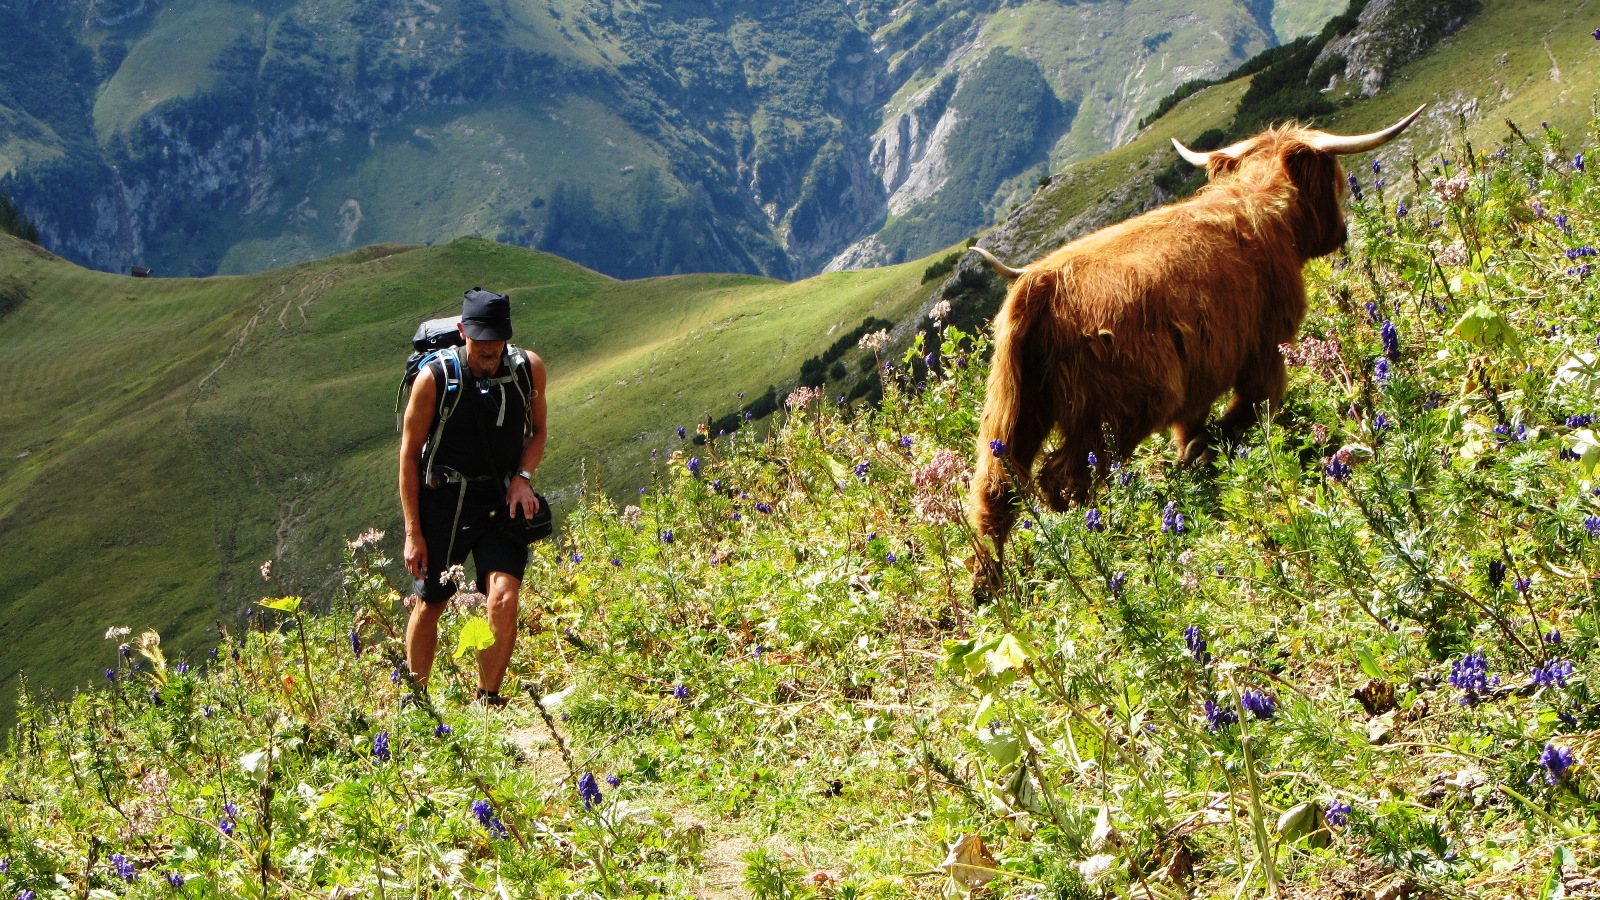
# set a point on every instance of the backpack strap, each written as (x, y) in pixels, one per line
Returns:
(447, 368)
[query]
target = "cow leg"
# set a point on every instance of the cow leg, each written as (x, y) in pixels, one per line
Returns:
(992, 499)
(1261, 382)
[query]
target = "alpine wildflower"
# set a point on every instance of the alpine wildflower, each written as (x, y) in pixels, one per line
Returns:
(1555, 761)
(443, 731)
(997, 447)
(1497, 573)
(694, 466)
(1218, 717)
(1470, 675)
(680, 432)
(1400, 210)
(666, 536)
(486, 817)
(355, 643)
(1381, 372)
(1391, 341)
(1258, 704)
(680, 692)
(1091, 521)
(1196, 644)
(380, 747)
(1553, 673)
(1581, 420)
(589, 791)
(905, 441)
(1118, 582)
(1336, 814)
(614, 780)
(175, 880)
(1553, 637)
(125, 870)
(1172, 521)
(1093, 460)
(1523, 584)
(1355, 186)
(1337, 470)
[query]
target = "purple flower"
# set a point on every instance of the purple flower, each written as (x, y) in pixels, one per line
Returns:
(680, 432)
(1497, 573)
(1553, 637)
(890, 558)
(355, 643)
(1581, 420)
(588, 790)
(443, 731)
(1400, 210)
(616, 562)
(680, 692)
(1577, 163)
(125, 870)
(380, 747)
(1596, 34)
(1553, 673)
(1391, 341)
(111, 675)
(1470, 675)
(397, 676)
(1372, 312)
(576, 557)
(1522, 585)
(861, 470)
(694, 466)
(1094, 461)
(1337, 470)
(1260, 705)
(1381, 423)
(486, 817)
(174, 879)
(1355, 186)
(1337, 814)
(764, 508)
(1218, 718)
(1563, 223)
(1196, 644)
(1380, 370)
(666, 536)
(905, 441)
(183, 667)
(1555, 761)
(1091, 521)
(1172, 521)
(997, 447)
(25, 894)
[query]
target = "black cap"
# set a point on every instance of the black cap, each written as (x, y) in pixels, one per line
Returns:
(486, 316)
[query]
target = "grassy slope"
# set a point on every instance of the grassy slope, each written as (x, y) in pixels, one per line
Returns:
(232, 420)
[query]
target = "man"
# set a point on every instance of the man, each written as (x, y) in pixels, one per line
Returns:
(458, 487)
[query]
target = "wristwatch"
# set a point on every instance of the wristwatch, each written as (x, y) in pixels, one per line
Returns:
(525, 474)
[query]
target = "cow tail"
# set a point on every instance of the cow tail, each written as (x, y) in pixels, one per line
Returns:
(1004, 401)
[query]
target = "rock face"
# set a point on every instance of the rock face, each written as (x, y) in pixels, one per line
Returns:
(1391, 33)
(639, 140)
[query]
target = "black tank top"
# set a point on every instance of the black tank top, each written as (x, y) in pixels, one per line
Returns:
(478, 440)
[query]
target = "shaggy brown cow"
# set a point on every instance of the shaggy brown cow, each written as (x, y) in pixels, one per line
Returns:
(1144, 324)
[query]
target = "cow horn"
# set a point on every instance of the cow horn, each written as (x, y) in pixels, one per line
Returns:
(1003, 270)
(1361, 143)
(1201, 160)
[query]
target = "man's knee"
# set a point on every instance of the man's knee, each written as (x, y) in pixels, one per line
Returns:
(425, 612)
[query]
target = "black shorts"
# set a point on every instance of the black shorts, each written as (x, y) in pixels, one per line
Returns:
(478, 533)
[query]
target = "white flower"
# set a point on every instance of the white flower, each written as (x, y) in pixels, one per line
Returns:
(875, 341)
(117, 633)
(368, 538)
(940, 311)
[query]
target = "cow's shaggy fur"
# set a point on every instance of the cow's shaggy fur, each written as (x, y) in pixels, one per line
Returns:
(1143, 325)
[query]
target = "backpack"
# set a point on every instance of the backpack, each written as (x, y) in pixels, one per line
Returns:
(434, 345)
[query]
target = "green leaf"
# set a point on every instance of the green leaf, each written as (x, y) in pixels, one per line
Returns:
(1008, 655)
(475, 635)
(1369, 664)
(1005, 749)
(1554, 888)
(1486, 328)
(283, 604)
(984, 712)
(1586, 446)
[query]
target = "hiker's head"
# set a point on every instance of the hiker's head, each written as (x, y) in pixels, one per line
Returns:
(486, 316)
(485, 326)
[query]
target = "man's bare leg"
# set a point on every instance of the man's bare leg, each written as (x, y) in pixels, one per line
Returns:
(502, 613)
(422, 639)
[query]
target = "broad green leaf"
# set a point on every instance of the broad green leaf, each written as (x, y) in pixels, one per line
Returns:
(475, 635)
(984, 712)
(256, 764)
(1006, 749)
(1486, 328)
(283, 604)
(1369, 664)
(1008, 655)
(1587, 447)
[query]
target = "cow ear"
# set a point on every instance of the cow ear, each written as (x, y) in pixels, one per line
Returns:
(1221, 166)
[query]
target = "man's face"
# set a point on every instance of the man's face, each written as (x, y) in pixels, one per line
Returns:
(483, 357)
